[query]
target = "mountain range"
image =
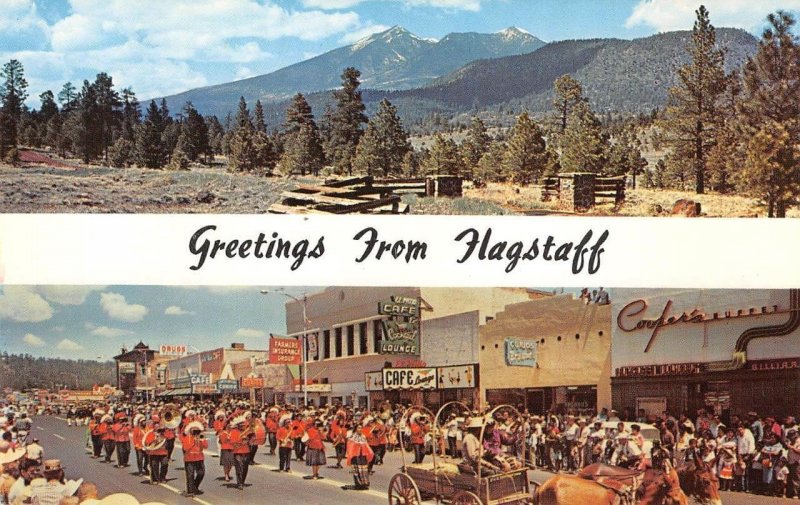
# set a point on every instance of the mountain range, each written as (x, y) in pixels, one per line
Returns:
(395, 59)
(464, 73)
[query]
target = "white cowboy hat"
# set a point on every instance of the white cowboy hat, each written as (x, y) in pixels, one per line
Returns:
(190, 412)
(11, 455)
(238, 420)
(194, 425)
(474, 422)
(284, 418)
(119, 499)
(106, 418)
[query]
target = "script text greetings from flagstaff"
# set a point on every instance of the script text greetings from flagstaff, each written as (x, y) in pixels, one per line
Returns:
(584, 252)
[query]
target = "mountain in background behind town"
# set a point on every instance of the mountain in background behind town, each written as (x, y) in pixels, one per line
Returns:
(395, 59)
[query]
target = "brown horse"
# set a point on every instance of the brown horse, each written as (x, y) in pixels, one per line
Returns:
(657, 488)
(699, 481)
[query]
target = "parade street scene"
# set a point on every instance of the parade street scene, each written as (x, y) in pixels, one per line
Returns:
(408, 395)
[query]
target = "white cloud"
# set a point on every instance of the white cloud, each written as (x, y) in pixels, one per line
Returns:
(356, 35)
(33, 341)
(69, 345)
(250, 333)
(669, 15)
(464, 5)
(24, 305)
(67, 295)
(106, 331)
(243, 73)
(174, 310)
(117, 307)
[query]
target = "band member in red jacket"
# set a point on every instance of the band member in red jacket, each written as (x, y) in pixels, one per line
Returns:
(155, 445)
(271, 424)
(259, 437)
(107, 435)
(298, 429)
(122, 438)
(315, 450)
(137, 435)
(194, 443)
(285, 443)
(95, 430)
(169, 435)
(419, 429)
(225, 450)
(241, 450)
(338, 435)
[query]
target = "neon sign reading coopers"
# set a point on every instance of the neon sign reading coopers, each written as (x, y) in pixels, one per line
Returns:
(630, 317)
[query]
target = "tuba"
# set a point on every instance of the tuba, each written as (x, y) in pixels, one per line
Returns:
(158, 443)
(171, 417)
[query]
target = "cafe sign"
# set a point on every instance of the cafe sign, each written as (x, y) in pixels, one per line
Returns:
(521, 352)
(409, 378)
(401, 328)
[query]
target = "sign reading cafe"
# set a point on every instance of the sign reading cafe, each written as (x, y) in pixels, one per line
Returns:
(521, 352)
(409, 378)
(401, 329)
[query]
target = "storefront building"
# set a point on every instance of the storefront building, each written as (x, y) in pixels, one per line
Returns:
(348, 337)
(551, 354)
(727, 351)
(140, 372)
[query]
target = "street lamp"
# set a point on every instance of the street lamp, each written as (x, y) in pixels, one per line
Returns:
(304, 354)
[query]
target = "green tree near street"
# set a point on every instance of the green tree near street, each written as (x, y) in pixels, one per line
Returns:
(344, 123)
(13, 94)
(692, 117)
(526, 157)
(384, 146)
(770, 114)
(302, 146)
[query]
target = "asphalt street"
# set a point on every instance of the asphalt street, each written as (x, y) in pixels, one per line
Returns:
(265, 485)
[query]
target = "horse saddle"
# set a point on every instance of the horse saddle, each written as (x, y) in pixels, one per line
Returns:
(622, 481)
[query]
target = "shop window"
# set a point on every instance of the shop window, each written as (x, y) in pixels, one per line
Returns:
(326, 344)
(362, 338)
(377, 331)
(337, 332)
(351, 340)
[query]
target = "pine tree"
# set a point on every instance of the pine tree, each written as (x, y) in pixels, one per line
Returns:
(490, 166)
(770, 110)
(48, 108)
(131, 114)
(243, 156)
(150, 148)
(692, 116)
(216, 134)
(526, 157)
(67, 96)
(193, 141)
(384, 145)
(12, 99)
(344, 122)
(302, 146)
(568, 92)
(475, 145)
(81, 124)
(443, 157)
(584, 145)
(259, 124)
(107, 111)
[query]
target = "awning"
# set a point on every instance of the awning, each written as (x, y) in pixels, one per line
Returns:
(177, 392)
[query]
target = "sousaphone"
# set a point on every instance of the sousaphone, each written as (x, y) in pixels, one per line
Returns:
(171, 417)
(158, 442)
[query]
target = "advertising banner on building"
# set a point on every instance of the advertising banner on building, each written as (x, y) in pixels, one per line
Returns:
(199, 378)
(409, 378)
(127, 368)
(285, 351)
(521, 352)
(313, 388)
(456, 377)
(204, 389)
(227, 385)
(401, 329)
(373, 381)
(252, 382)
(178, 350)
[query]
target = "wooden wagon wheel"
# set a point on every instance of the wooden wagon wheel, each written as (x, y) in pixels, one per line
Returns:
(403, 491)
(466, 498)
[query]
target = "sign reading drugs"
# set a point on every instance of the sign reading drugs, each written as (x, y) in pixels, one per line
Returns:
(401, 329)
(285, 351)
(173, 350)
(409, 378)
(521, 352)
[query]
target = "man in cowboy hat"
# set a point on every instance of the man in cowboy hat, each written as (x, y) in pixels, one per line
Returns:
(137, 436)
(156, 452)
(471, 447)
(54, 489)
(241, 450)
(627, 453)
(107, 436)
(96, 432)
(194, 444)
(9, 463)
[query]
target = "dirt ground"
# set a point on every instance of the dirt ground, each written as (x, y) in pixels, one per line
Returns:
(47, 185)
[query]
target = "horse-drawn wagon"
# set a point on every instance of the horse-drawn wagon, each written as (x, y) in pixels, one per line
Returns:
(446, 482)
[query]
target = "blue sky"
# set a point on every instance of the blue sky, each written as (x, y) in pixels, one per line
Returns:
(91, 322)
(160, 47)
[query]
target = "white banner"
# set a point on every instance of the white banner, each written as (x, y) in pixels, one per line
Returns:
(398, 251)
